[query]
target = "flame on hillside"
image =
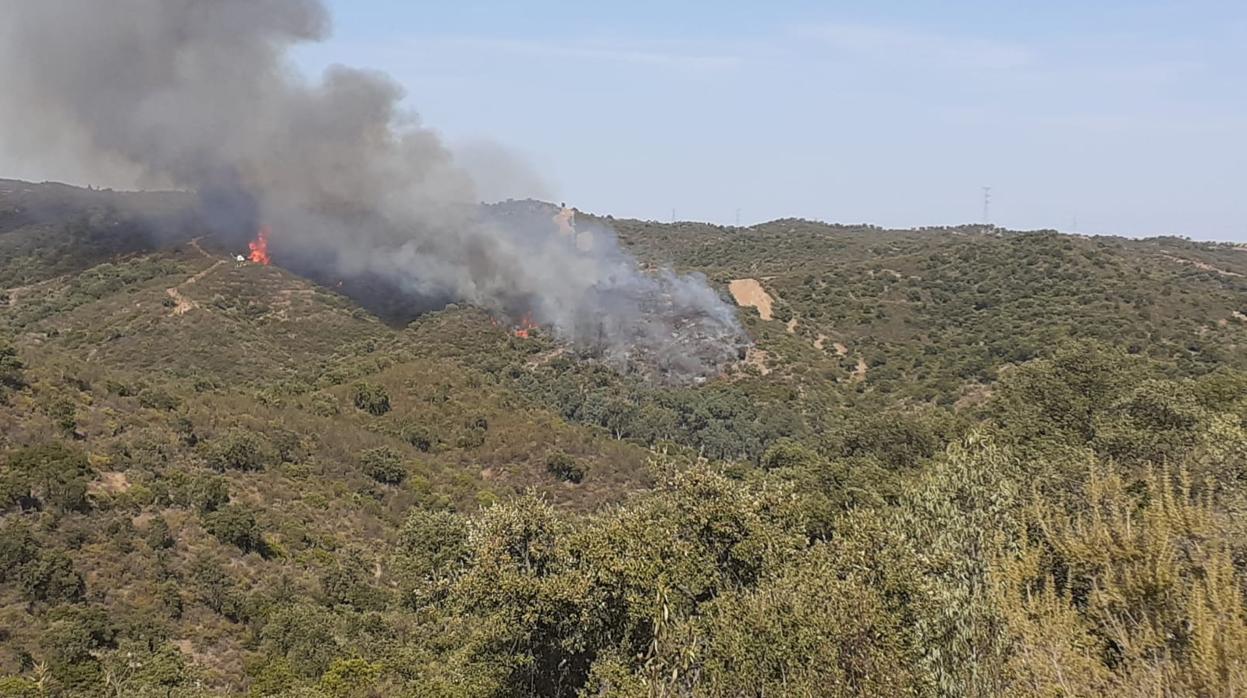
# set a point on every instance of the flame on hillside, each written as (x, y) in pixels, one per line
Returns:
(525, 326)
(259, 247)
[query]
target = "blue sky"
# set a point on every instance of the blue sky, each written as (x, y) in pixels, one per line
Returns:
(1117, 117)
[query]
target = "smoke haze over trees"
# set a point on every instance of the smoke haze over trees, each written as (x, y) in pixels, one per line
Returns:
(200, 96)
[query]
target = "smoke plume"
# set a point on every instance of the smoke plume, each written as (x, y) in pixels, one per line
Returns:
(199, 95)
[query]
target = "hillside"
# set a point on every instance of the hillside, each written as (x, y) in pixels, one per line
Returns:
(256, 484)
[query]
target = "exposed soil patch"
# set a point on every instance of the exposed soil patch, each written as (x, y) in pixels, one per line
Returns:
(181, 304)
(113, 483)
(859, 371)
(974, 394)
(1204, 266)
(748, 292)
(757, 358)
(792, 326)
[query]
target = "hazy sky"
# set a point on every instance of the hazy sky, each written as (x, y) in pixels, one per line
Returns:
(1116, 116)
(1126, 117)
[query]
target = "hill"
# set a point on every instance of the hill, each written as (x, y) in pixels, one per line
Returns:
(258, 481)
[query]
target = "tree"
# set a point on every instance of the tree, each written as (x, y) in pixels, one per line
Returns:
(421, 436)
(241, 449)
(158, 535)
(72, 642)
(305, 635)
(50, 577)
(787, 453)
(11, 368)
(202, 491)
(350, 677)
(384, 465)
(50, 474)
(565, 467)
(215, 588)
(17, 547)
(432, 548)
(236, 525)
(371, 398)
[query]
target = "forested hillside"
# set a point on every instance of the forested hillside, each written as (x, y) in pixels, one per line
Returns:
(955, 462)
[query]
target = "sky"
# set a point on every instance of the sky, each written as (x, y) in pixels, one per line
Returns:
(1113, 117)
(1109, 117)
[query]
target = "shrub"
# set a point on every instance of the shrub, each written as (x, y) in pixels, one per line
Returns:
(305, 635)
(158, 399)
(384, 465)
(17, 547)
(565, 467)
(201, 491)
(169, 595)
(11, 367)
(50, 474)
(432, 542)
(158, 536)
(241, 449)
(471, 438)
(324, 405)
(420, 436)
(235, 525)
(215, 588)
(19, 687)
(787, 453)
(350, 677)
(371, 398)
(50, 577)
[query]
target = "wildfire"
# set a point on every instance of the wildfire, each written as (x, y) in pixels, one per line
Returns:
(526, 324)
(259, 247)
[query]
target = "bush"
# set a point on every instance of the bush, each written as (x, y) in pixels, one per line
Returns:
(17, 547)
(11, 367)
(430, 545)
(787, 453)
(158, 536)
(565, 467)
(240, 450)
(384, 465)
(50, 474)
(51, 577)
(324, 405)
(371, 398)
(420, 436)
(350, 677)
(215, 588)
(471, 438)
(158, 399)
(201, 491)
(235, 525)
(18, 687)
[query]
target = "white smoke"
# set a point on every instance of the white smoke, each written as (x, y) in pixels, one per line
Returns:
(198, 94)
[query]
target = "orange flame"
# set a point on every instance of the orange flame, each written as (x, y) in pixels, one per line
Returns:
(259, 247)
(526, 325)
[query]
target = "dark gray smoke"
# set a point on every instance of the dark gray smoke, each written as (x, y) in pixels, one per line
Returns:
(198, 94)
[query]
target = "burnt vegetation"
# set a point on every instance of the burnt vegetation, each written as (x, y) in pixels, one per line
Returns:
(955, 462)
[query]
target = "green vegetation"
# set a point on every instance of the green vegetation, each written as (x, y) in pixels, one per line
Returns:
(384, 465)
(977, 463)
